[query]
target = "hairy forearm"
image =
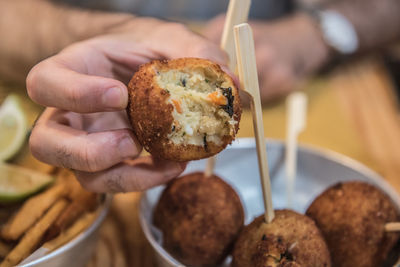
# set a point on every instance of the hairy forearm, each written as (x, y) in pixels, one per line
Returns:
(377, 22)
(32, 30)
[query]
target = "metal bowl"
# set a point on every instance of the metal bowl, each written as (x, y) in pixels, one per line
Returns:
(78, 251)
(317, 169)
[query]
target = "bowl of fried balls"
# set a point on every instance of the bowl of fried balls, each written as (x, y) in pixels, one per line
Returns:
(339, 217)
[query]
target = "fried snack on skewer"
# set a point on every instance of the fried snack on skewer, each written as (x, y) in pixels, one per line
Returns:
(183, 109)
(33, 236)
(81, 224)
(200, 219)
(352, 218)
(291, 239)
(31, 211)
(84, 202)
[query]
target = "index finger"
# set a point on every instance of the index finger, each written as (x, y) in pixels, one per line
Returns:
(179, 41)
(52, 84)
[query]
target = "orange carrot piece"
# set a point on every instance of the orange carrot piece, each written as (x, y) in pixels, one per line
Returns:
(217, 98)
(177, 105)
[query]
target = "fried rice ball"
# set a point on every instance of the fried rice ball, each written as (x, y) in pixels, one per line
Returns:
(200, 218)
(183, 109)
(290, 240)
(352, 217)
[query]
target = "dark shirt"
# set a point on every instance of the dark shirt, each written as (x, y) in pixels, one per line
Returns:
(185, 9)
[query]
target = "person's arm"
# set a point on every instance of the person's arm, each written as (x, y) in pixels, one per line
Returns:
(377, 22)
(32, 30)
(292, 48)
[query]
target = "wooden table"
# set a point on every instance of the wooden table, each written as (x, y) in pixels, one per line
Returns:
(351, 111)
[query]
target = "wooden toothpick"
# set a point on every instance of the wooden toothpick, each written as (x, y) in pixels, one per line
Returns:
(296, 122)
(248, 77)
(392, 227)
(238, 12)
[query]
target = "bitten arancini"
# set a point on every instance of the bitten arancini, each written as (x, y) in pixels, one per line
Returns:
(200, 218)
(183, 109)
(352, 217)
(290, 240)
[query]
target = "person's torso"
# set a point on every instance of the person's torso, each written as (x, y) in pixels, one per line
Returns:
(184, 9)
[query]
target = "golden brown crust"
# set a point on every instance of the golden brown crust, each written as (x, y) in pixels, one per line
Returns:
(291, 239)
(351, 217)
(151, 115)
(200, 219)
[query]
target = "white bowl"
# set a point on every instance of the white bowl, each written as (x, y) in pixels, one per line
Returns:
(317, 169)
(79, 250)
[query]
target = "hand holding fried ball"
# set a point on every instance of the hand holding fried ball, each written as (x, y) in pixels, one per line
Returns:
(290, 240)
(200, 218)
(183, 109)
(352, 217)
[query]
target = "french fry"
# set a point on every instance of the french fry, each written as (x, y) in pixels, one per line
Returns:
(111, 233)
(4, 249)
(81, 203)
(103, 254)
(81, 224)
(34, 235)
(31, 211)
(73, 187)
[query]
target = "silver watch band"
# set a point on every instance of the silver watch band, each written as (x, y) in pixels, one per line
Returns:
(337, 30)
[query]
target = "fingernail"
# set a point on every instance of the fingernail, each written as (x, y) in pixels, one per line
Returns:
(114, 98)
(127, 148)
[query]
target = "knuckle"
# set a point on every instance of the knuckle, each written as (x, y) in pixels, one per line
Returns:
(115, 183)
(136, 185)
(89, 159)
(64, 157)
(73, 97)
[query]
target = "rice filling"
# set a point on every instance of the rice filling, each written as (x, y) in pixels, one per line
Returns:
(203, 106)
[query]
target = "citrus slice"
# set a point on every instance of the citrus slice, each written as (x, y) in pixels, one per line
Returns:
(17, 183)
(13, 127)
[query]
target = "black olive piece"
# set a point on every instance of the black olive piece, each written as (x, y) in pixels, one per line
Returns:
(173, 128)
(264, 237)
(184, 82)
(205, 142)
(227, 92)
(287, 255)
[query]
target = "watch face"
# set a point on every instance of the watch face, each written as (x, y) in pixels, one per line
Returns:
(338, 32)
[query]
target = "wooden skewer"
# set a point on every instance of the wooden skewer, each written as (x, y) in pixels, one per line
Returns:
(248, 78)
(392, 227)
(296, 122)
(209, 171)
(238, 12)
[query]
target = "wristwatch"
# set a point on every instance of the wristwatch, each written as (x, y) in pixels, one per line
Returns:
(337, 31)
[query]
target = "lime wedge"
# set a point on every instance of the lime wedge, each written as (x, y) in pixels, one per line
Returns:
(13, 127)
(18, 183)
